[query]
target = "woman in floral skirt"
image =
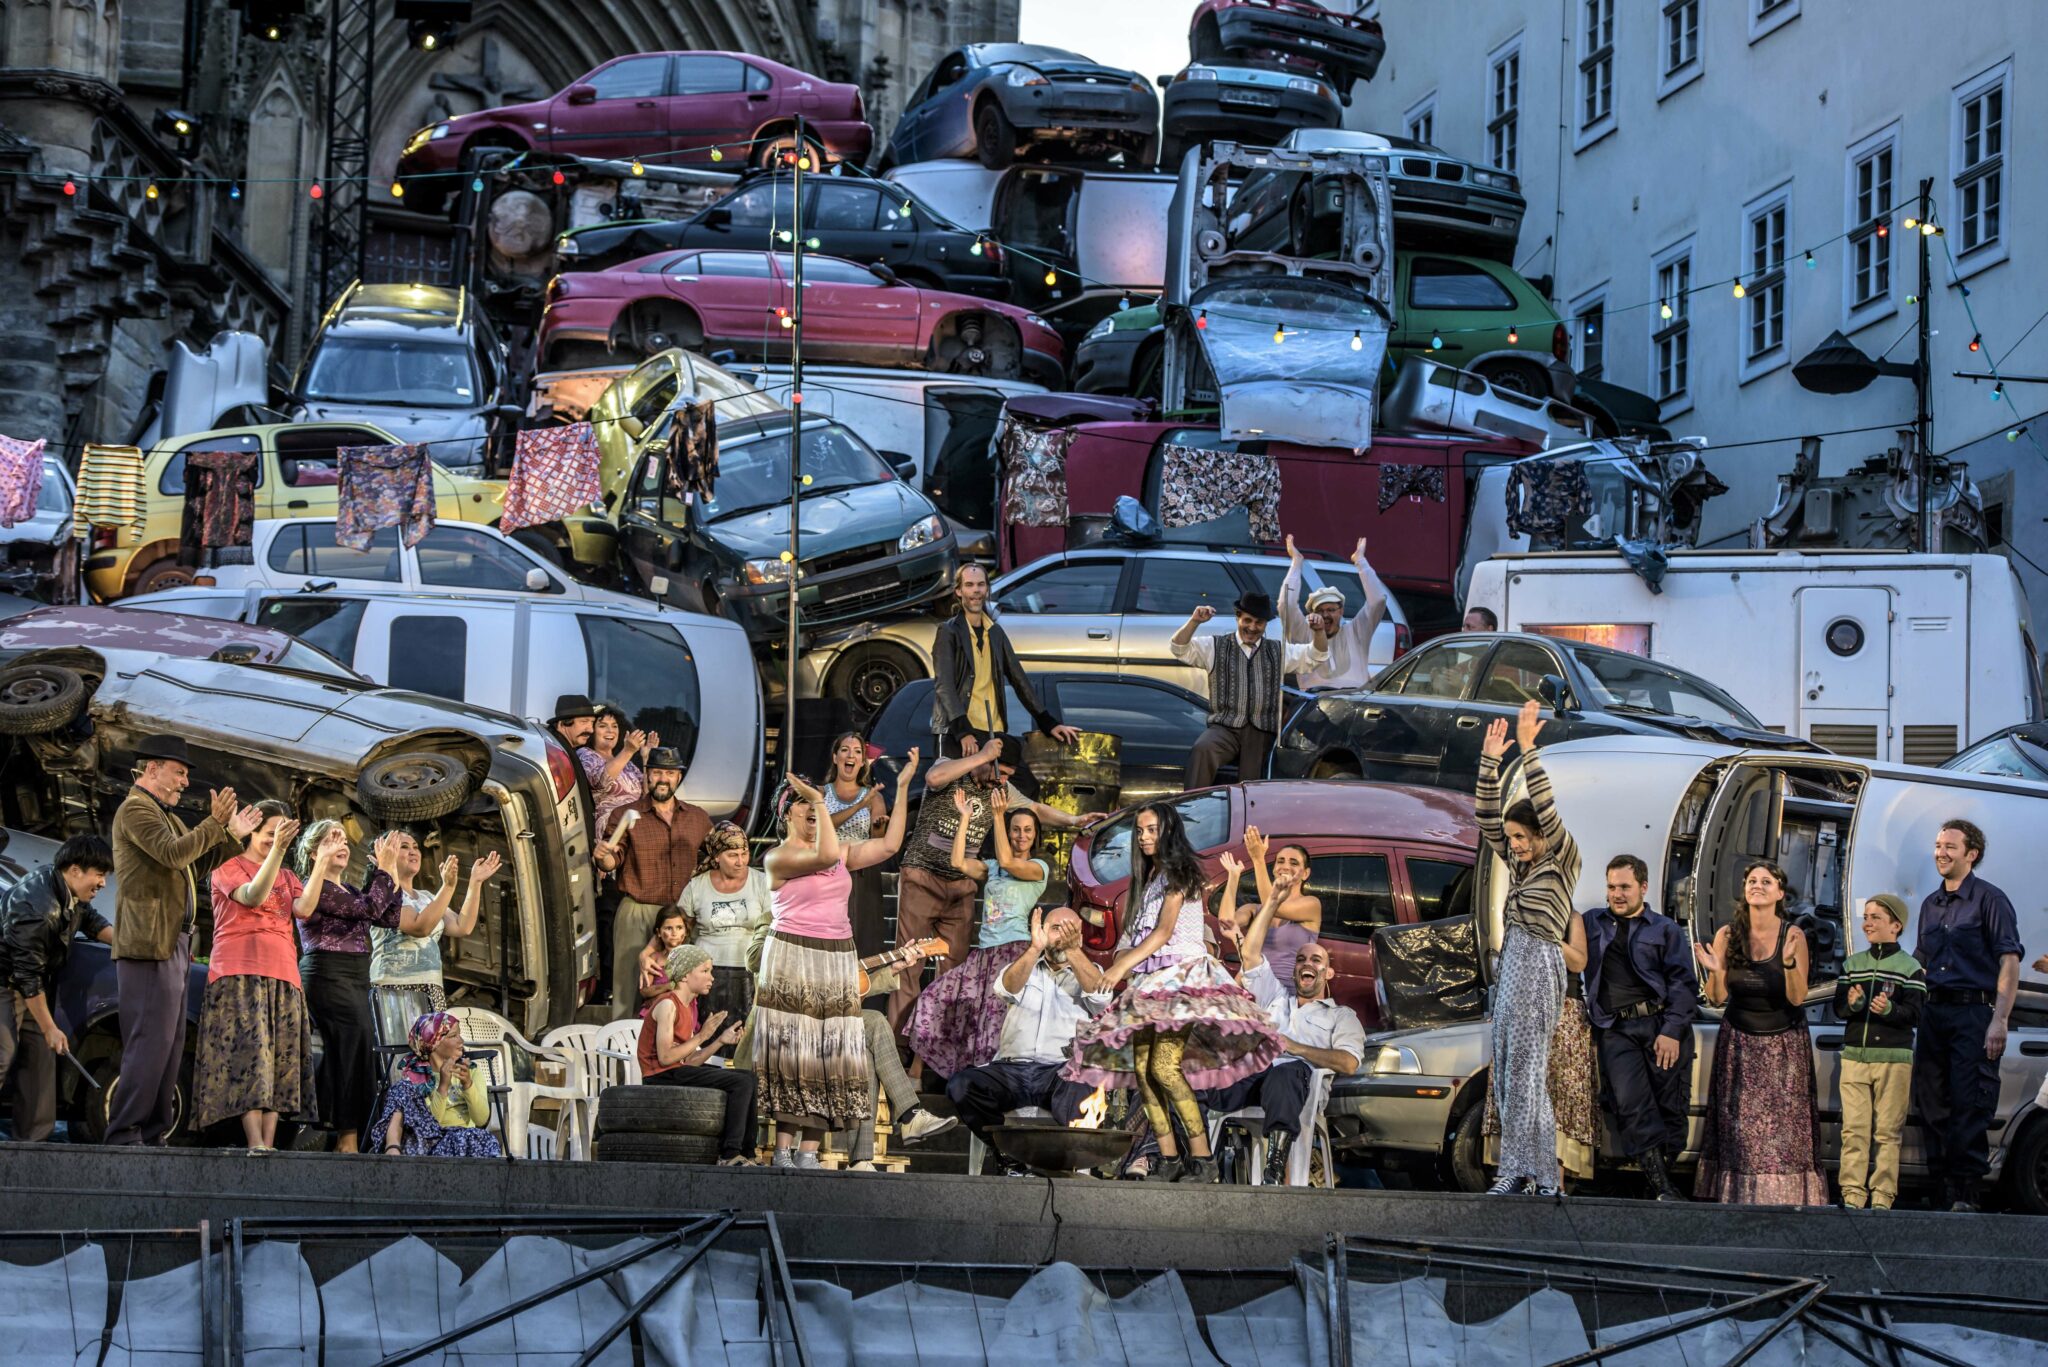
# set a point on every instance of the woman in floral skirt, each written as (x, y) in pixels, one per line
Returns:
(438, 1107)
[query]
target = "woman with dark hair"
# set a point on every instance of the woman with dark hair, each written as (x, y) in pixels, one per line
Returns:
(1183, 1024)
(334, 963)
(438, 1107)
(1759, 1146)
(1297, 921)
(855, 803)
(1542, 926)
(726, 903)
(808, 1042)
(611, 763)
(958, 1021)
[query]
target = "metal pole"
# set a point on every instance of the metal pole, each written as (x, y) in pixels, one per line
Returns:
(796, 449)
(1923, 456)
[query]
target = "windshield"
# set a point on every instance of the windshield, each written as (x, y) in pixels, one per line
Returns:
(2007, 756)
(52, 497)
(1205, 814)
(755, 474)
(1622, 681)
(309, 660)
(393, 371)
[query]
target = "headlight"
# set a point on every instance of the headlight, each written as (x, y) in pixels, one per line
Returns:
(1198, 73)
(567, 246)
(1101, 329)
(1395, 1058)
(1304, 83)
(1037, 321)
(922, 533)
(1499, 180)
(766, 571)
(1141, 85)
(440, 132)
(1024, 75)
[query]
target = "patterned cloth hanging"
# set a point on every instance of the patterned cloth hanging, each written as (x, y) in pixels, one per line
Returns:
(1200, 486)
(554, 474)
(384, 486)
(110, 489)
(220, 509)
(1546, 496)
(1034, 465)
(21, 479)
(693, 450)
(1423, 481)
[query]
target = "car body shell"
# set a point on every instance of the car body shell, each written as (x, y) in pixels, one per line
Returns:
(639, 401)
(185, 634)
(39, 555)
(1294, 34)
(1441, 202)
(1069, 100)
(1249, 104)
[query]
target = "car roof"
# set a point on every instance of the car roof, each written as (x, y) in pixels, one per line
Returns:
(139, 629)
(1317, 808)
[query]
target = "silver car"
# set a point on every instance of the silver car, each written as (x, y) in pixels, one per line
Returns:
(1107, 608)
(39, 555)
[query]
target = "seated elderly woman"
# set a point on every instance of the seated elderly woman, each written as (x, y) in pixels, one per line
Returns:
(438, 1106)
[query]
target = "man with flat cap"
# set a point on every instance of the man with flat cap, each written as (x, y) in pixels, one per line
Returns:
(1350, 643)
(653, 848)
(1245, 691)
(156, 904)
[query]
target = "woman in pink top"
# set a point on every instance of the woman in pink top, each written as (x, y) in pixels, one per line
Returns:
(255, 1040)
(810, 1047)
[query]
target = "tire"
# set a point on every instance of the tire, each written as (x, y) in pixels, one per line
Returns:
(537, 541)
(1520, 377)
(657, 1148)
(869, 674)
(767, 154)
(89, 1124)
(1464, 1161)
(166, 573)
(995, 139)
(661, 1112)
(2026, 1169)
(418, 785)
(1207, 44)
(38, 699)
(652, 330)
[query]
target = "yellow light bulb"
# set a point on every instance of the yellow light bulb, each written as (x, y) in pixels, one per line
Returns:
(638, 169)
(1279, 335)
(397, 190)
(1739, 291)
(717, 155)
(150, 193)
(1664, 311)
(1052, 277)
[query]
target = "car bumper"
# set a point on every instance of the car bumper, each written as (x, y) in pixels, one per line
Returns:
(1108, 365)
(844, 139)
(578, 320)
(857, 592)
(1473, 213)
(106, 573)
(1394, 1112)
(1056, 111)
(1255, 115)
(1046, 368)
(433, 158)
(1256, 28)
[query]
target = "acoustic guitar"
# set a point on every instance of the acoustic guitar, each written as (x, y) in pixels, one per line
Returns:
(900, 954)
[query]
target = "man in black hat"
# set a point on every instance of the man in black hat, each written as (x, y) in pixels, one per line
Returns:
(574, 723)
(1245, 690)
(156, 904)
(654, 850)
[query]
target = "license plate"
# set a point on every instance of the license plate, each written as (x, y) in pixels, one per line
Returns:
(1251, 99)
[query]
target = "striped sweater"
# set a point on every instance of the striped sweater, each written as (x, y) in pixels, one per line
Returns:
(1539, 896)
(1870, 1036)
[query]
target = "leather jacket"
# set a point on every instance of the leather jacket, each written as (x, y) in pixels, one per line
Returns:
(41, 916)
(953, 679)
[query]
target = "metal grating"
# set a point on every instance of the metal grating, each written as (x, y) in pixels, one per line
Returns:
(1858, 742)
(342, 221)
(1930, 745)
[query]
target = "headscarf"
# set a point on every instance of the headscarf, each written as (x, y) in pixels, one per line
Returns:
(684, 959)
(724, 836)
(428, 1031)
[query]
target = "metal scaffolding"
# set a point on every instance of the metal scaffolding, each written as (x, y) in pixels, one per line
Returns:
(341, 227)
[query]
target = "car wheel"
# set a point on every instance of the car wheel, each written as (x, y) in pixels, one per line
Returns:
(1171, 151)
(657, 1148)
(418, 785)
(995, 140)
(974, 344)
(2026, 1170)
(1336, 766)
(1520, 377)
(768, 156)
(90, 1124)
(698, 1111)
(1465, 1157)
(869, 674)
(38, 699)
(654, 328)
(166, 573)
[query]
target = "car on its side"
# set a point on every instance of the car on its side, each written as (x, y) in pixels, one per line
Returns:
(2016, 752)
(1379, 855)
(39, 555)
(639, 400)
(864, 221)
(190, 634)
(1292, 34)
(1424, 720)
(741, 301)
(1250, 104)
(995, 100)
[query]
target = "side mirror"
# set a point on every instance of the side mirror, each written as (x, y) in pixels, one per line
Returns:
(717, 218)
(676, 551)
(582, 94)
(632, 427)
(1553, 693)
(888, 276)
(904, 466)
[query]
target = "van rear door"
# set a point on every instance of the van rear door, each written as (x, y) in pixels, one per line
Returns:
(1845, 675)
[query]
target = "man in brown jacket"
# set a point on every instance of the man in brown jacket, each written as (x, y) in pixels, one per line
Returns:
(157, 900)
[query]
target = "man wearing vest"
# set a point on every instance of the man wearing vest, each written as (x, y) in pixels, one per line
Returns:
(1245, 670)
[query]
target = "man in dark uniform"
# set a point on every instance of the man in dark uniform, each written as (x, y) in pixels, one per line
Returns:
(1245, 691)
(39, 916)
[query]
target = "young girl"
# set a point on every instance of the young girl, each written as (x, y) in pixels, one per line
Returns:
(1183, 1023)
(671, 932)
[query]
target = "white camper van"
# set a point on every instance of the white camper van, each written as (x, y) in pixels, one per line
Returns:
(1881, 655)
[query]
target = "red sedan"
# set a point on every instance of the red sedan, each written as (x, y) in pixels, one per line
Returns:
(1380, 854)
(674, 105)
(853, 314)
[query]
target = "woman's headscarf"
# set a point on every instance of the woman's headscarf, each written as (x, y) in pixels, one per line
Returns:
(684, 959)
(428, 1031)
(724, 836)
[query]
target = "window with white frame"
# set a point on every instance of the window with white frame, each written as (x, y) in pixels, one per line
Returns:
(1768, 16)
(1504, 106)
(1763, 266)
(1420, 120)
(1589, 317)
(1681, 38)
(1671, 323)
(1978, 156)
(1873, 187)
(1596, 67)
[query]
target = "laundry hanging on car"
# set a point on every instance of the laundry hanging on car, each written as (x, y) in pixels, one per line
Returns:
(554, 474)
(1034, 465)
(1546, 496)
(1422, 481)
(220, 509)
(21, 479)
(1200, 486)
(384, 486)
(693, 450)
(110, 489)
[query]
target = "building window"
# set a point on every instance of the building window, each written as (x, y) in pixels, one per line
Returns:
(1763, 282)
(1596, 69)
(1504, 106)
(1681, 51)
(1589, 315)
(1872, 205)
(1768, 16)
(1978, 155)
(1670, 327)
(1420, 120)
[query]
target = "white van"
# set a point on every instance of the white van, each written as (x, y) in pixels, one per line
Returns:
(1882, 655)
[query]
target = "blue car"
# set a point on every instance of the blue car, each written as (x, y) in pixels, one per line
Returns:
(995, 100)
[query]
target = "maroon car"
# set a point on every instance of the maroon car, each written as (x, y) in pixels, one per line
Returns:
(1380, 854)
(1297, 34)
(854, 314)
(677, 106)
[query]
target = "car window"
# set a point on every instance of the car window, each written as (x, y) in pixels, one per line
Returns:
(1515, 673)
(636, 78)
(1442, 671)
(172, 481)
(1441, 888)
(840, 208)
(648, 669)
(656, 400)
(898, 215)
(1268, 578)
(1169, 586)
(823, 270)
(309, 472)
(466, 558)
(1435, 283)
(1086, 587)
(758, 79)
(759, 206)
(1205, 814)
(430, 654)
(1626, 681)
(697, 75)
(1140, 713)
(308, 548)
(950, 70)
(1346, 584)
(750, 265)
(688, 264)
(52, 496)
(1356, 893)
(2012, 756)
(386, 371)
(328, 623)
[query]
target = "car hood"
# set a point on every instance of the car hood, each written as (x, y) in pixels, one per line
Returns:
(1698, 728)
(408, 423)
(832, 521)
(48, 527)
(1314, 386)
(1073, 68)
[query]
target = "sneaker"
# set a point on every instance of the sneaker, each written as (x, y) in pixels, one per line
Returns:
(1876, 1209)
(1510, 1186)
(917, 1125)
(807, 1161)
(1963, 1208)
(784, 1158)
(1012, 1168)
(1553, 1193)
(740, 1160)
(1165, 1170)
(865, 1165)
(1199, 1170)
(1137, 1171)
(255, 1149)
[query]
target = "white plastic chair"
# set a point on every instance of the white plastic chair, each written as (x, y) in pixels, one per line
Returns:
(1314, 1124)
(603, 1063)
(486, 1029)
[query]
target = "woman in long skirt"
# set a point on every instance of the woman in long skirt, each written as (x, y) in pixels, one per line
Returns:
(438, 1108)
(334, 963)
(808, 1043)
(1543, 866)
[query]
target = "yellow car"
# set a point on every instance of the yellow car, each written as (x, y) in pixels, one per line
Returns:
(634, 403)
(296, 477)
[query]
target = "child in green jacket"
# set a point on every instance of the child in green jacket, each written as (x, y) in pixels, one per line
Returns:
(1878, 998)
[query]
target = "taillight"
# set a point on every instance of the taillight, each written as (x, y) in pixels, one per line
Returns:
(1404, 639)
(993, 251)
(1561, 344)
(562, 769)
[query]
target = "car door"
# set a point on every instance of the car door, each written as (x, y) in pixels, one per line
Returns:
(852, 310)
(709, 104)
(1355, 884)
(458, 651)
(465, 559)
(845, 217)
(1062, 612)
(959, 423)
(660, 545)
(1157, 725)
(1512, 676)
(939, 129)
(305, 553)
(629, 116)
(734, 294)
(1165, 590)
(1399, 728)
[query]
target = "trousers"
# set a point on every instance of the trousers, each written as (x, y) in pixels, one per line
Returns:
(1649, 1105)
(1955, 1089)
(28, 1057)
(738, 1084)
(1281, 1092)
(632, 927)
(152, 993)
(929, 904)
(1217, 746)
(982, 1096)
(886, 1076)
(1874, 1099)
(1162, 1087)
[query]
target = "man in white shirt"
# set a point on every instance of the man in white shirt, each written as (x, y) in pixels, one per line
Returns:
(1245, 691)
(1319, 1034)
(1051, 988)
(1350, 662)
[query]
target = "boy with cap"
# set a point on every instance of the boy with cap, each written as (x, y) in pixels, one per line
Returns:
(1878, 997)
(1245, 670)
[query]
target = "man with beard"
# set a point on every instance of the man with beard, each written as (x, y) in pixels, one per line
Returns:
(654, 851)
(971, 661)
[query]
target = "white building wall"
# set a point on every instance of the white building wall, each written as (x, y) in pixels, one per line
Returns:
(1780, 107)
